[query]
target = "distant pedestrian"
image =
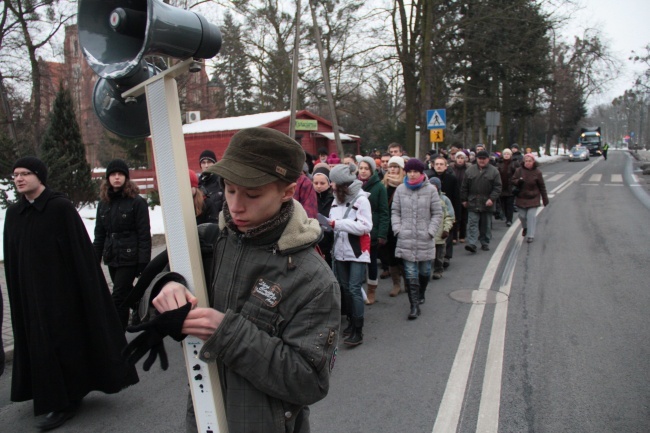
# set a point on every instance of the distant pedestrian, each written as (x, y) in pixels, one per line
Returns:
(210, 182)
(530, 182)
(306, 195)
(442, 234)
(67, 335)
(380, 219)
(479, 193)
(459, 168)
(392, 180)
(507, 169)
(605, 149)
(517, 156)
(325, 197)
(122, 233)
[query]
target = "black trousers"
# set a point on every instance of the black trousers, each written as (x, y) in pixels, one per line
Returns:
(122, 278)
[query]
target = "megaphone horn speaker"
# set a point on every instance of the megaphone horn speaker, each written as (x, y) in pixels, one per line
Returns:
(115, 35)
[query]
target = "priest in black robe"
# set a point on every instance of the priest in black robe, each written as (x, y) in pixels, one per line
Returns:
(67, 335)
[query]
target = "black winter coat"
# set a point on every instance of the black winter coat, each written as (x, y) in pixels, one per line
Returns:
(210, 184)
(67, 336)
(450, 187)
(123, 232)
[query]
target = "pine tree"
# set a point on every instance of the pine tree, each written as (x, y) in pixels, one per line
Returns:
(231, 70)
(65, 155)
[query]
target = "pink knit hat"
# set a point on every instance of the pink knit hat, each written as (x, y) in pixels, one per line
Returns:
(531, 155)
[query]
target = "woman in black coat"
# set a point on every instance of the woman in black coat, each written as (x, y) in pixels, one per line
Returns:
(325, 197)
(122, 233)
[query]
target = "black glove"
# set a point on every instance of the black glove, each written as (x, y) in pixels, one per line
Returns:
(141, 268)
(151, 340)
(444, 235)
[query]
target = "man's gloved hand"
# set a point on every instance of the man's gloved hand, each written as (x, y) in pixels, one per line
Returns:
(151, 339)
(444, 235)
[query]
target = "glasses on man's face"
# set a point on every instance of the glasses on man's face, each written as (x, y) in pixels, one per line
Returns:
(22, 174)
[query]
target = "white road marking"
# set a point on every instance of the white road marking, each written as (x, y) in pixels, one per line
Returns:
(452, 400)
(556, 178)
(595, 177)
(451, 404)
(617, 178)
(488, 413)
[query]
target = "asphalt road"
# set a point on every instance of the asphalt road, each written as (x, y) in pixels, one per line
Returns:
(566, 351)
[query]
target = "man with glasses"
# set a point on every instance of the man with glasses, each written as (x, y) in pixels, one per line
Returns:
(67, 336)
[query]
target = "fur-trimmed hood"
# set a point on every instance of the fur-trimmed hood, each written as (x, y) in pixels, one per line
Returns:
(300, 232)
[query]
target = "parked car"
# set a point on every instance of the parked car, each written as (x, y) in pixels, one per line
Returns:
(579, 152)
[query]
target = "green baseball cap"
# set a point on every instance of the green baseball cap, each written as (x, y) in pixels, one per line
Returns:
(259, 156)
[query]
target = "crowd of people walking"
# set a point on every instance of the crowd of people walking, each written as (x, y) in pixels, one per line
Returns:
(265, 226)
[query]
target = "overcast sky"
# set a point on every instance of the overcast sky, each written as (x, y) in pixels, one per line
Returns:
(625, 26)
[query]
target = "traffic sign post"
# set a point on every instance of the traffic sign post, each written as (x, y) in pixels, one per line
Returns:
(437, 135)
(437, 119)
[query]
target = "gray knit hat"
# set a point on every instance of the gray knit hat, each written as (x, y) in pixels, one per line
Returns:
(371, 162)
(342, 173)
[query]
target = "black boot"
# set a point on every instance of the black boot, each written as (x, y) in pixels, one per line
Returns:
(347, 331)
(413, 288)
(356, 337)
(424, 280)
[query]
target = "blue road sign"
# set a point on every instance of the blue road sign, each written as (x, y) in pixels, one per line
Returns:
(437, 119)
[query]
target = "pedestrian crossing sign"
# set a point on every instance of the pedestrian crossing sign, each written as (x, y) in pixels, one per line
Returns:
(437, 119)
(437, 135)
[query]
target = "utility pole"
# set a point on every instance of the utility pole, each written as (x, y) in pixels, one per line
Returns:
(294, 75)
(326, 80)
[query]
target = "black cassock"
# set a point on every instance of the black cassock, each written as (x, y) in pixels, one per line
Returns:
(67, 336)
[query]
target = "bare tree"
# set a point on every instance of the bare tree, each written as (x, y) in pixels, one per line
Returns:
(38, 23)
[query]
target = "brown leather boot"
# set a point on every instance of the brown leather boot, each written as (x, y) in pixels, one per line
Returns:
(397, 279)
(371, 294)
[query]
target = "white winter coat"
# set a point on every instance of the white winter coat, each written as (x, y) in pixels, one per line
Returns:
(415, 217)
(352, 234)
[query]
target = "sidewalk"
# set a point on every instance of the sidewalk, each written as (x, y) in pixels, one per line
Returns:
(158, 244)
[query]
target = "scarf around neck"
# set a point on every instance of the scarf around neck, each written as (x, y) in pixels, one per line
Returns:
(286, 211)
(416, 183)
(393, 180)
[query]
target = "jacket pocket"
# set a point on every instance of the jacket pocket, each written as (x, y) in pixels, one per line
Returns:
(265, 320)
(109, 251)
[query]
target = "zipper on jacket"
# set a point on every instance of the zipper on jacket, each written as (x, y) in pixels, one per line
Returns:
(234, 271)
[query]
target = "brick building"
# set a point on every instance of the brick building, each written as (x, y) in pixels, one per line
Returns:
(196, 94)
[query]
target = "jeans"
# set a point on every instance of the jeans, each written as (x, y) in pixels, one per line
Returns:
(479, 227)
(351, 276)
(528, 218)
(122, 278)
(413, 269)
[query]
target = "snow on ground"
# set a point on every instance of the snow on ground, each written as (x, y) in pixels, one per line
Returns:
(88, 214)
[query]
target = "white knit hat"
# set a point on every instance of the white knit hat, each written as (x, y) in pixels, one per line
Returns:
(396, 160)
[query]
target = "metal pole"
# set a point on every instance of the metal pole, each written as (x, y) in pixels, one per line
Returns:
(294, 75)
